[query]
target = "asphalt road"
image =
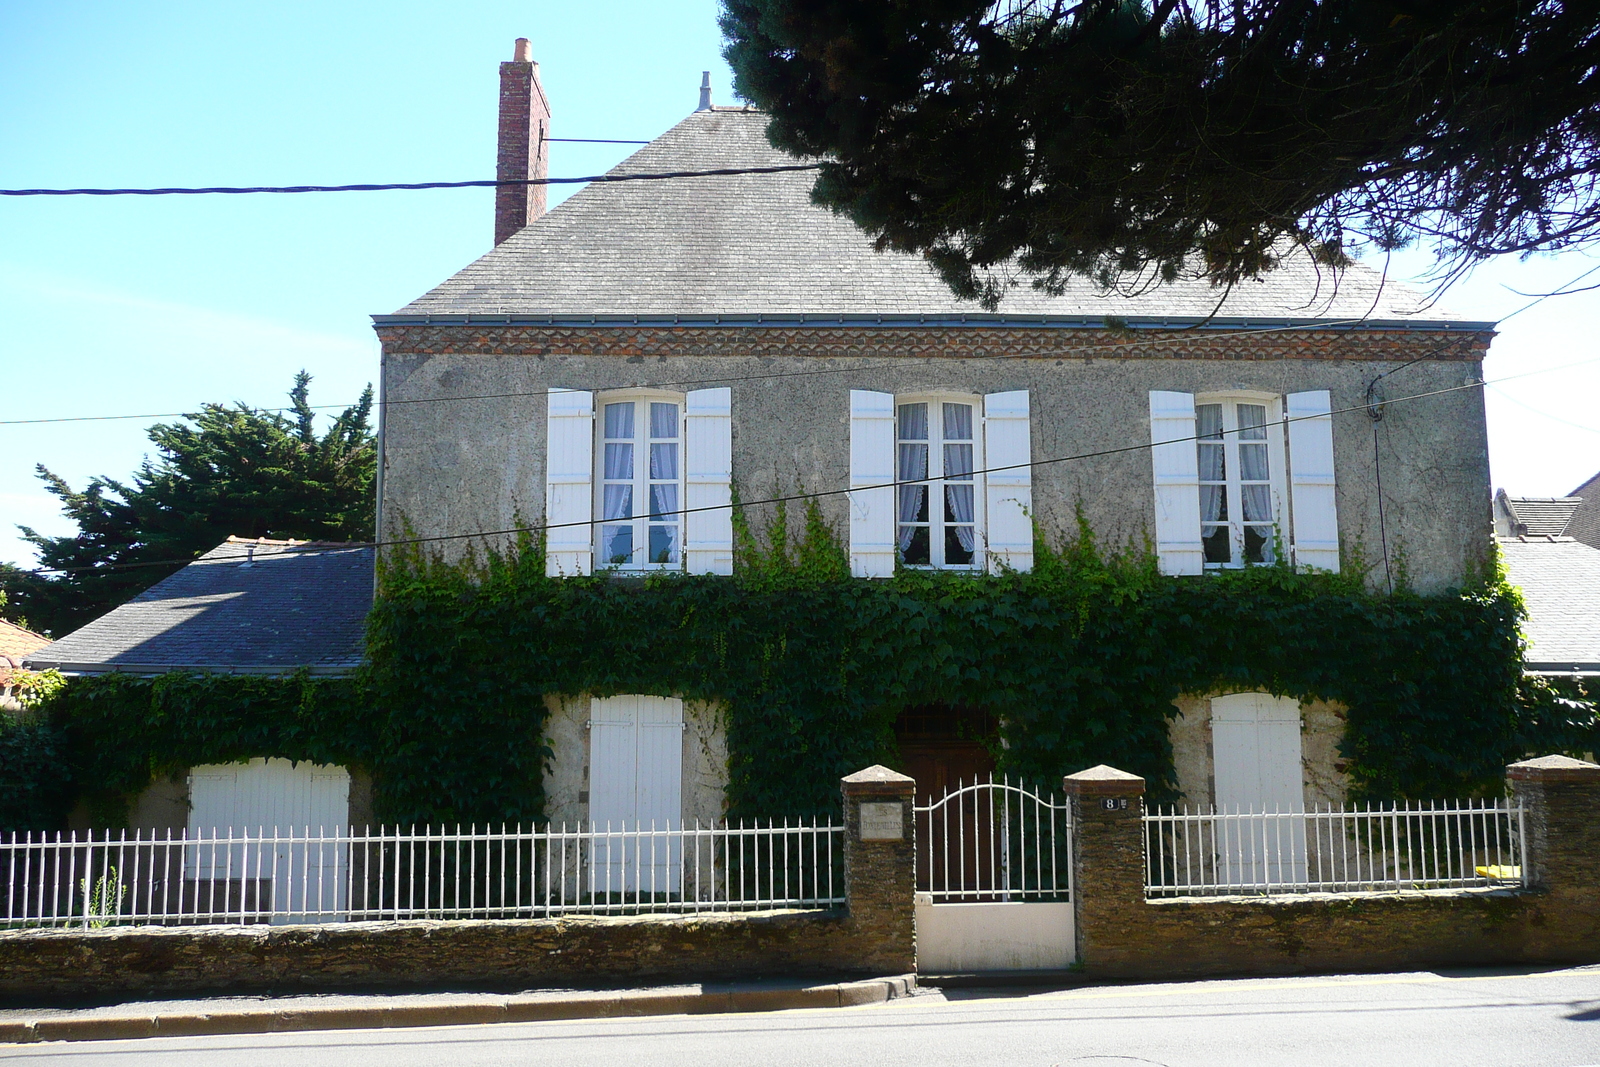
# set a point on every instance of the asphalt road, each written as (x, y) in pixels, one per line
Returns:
(1548, 1018)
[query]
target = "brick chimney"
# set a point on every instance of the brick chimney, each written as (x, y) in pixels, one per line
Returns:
(524, 144)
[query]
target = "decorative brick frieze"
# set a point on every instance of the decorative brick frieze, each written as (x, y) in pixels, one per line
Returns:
(913, 342)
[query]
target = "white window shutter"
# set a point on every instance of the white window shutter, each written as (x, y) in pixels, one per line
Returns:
(569, 483)
(1177, 480)
(1008, 493)
(708, 481)
(1311, 489)
(872, 518)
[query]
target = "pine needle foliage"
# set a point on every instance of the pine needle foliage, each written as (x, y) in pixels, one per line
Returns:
(1132, 142)
(228, 470)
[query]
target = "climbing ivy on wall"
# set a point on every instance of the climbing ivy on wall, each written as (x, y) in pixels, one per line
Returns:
(1080, 659)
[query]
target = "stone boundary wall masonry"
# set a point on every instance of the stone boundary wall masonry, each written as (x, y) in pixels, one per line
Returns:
(1121, 934)
(915, 342)
(872, 936)
(489, 953)
(1555, 920)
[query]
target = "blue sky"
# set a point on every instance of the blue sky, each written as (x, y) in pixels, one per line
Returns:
(128, 305)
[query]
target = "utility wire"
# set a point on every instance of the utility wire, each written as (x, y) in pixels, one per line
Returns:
(820, 494)
(928, 361)
(377, 187)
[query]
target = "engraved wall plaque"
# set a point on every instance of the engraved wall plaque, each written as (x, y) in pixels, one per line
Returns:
(883, 822)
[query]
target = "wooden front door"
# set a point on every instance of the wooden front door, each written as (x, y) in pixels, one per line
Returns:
(943, 747)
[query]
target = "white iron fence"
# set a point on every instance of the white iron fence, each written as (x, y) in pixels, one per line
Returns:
(994, 841)
(1440, 845)
(99, 879)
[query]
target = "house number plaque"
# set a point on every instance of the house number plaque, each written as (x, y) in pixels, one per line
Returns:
(1114, 803)
(883, 822)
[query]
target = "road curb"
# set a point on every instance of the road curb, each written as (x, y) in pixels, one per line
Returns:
(513, 1009)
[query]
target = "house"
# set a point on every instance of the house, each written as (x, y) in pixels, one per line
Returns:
(615, 368)
(1585, 522)
(1559, 576)
(15, 645)
(248, 607)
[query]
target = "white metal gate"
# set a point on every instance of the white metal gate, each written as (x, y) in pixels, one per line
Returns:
(994, 880)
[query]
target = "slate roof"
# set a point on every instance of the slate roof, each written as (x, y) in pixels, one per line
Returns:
(755, 245)
(255, 607)
(1539, 516)
(1560, 581)
(1585, 524)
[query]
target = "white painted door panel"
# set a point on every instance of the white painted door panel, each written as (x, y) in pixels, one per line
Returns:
(635, 786)
(274, 799)
(1256, 754)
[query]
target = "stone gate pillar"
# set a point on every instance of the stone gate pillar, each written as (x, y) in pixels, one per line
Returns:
(1107, 863)
(1561, 799)
(880, 868)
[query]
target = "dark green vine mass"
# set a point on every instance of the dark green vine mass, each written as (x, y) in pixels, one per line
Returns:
(1079, 659)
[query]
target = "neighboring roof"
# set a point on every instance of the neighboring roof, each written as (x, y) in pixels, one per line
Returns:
(15, 644)
(1560, 582)
(738, 247)
(247, 606)
(1535, 516)
(1585, 523)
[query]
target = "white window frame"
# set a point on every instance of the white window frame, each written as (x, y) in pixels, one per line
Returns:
(641, 478)
(936, 481)
(1277, 470)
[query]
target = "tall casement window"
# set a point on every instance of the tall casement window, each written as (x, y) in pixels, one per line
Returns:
(938, 521)
(641, 483)
(1240, 456)
(639, 480)
(939, 481)
(1239, 475)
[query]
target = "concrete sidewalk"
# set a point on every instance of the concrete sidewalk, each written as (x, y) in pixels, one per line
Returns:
(337, 1011)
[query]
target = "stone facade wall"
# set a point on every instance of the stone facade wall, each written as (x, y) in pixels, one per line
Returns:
(1555, 920)
(453, 467)
(506, 954)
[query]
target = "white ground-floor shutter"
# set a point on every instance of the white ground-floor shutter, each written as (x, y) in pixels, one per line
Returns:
(1175, 460)
(1311, 488)
(569, 483)
(1008, 499)
(1256, 760)
(872, 517)
(636, 786)
(302, 877)
(708, 481)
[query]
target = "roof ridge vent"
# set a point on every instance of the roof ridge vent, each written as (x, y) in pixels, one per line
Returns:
(705, 92)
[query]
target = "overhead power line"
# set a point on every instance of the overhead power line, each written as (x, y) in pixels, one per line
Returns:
(379, 187)
(1140, 446)
(1332, 324)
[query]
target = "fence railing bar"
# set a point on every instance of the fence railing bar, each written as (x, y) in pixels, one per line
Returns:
(1364, 848)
